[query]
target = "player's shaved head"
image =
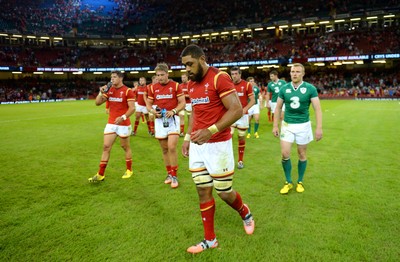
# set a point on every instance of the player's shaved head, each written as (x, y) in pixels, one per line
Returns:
(193, 50)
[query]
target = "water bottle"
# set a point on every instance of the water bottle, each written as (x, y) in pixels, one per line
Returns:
(164, 117)
(109, 85)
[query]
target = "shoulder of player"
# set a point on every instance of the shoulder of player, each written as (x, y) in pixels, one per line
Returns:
(217, 75)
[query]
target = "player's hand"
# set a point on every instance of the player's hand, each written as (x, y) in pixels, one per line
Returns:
(169, 114)
(103, 88)
(318, 134)
(201, 136)
(118, 120)
(185, 148)
(275, 131)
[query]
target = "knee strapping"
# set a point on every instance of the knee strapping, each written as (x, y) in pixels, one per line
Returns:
(223, 185)
(202, 179)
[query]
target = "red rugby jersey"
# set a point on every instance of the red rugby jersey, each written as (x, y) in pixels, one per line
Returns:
(185, 91)
(207, 105)
(118, 103)
(139, 95)
(165, 96)
(244, 90)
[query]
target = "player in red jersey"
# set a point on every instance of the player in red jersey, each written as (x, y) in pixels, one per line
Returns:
(151, 115)
(244, 90)
(107, 107)
(122, 106)
(141, 108)
(208, 142)
(188, 107)
(165, 101)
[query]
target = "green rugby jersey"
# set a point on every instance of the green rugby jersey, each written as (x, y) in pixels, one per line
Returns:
(274, 88)
(297, 102)
(256, 92)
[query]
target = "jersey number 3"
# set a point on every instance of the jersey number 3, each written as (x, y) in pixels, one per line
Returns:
(295, 102)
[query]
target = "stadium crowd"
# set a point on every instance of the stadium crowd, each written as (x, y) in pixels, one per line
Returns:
(58, 17)
(362, 40)
(114, 17)
(62, 17)
(42, 89)
(336, 84)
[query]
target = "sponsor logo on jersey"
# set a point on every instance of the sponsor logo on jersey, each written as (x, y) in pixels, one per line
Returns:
(200, 100)
(240, 94)
(288, 91)
(164, 96)
(115, 99)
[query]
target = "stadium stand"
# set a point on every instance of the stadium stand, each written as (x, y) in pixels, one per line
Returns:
(90, 31)
(90, 17)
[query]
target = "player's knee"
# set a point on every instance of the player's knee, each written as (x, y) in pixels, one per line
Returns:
(285, 154)
(302, 156)
(225, 195)
(107, 147)
(202, 179)
(172, 150)
(223, 185)
(241, 132)
(165, 151)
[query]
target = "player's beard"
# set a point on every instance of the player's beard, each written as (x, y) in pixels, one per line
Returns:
(198, 76)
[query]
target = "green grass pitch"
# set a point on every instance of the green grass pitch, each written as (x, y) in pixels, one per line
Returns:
(49, 212)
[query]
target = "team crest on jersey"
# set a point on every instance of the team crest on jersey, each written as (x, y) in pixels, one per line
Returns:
(120, 93)
(206, 88)
(191, 90)
(170, 89)
(303, 90)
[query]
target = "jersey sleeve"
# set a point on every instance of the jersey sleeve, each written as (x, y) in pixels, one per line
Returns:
(282, 91)
(249, 90)
(224, 84)
(269, 88)
(150, 94)
(179, 91)
(130, 95)
(314, 92)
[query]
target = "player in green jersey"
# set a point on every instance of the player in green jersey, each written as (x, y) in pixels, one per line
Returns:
(254, 111)
(297, 96)
(272, 93)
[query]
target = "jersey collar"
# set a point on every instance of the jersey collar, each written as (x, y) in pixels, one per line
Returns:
(295, 88)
